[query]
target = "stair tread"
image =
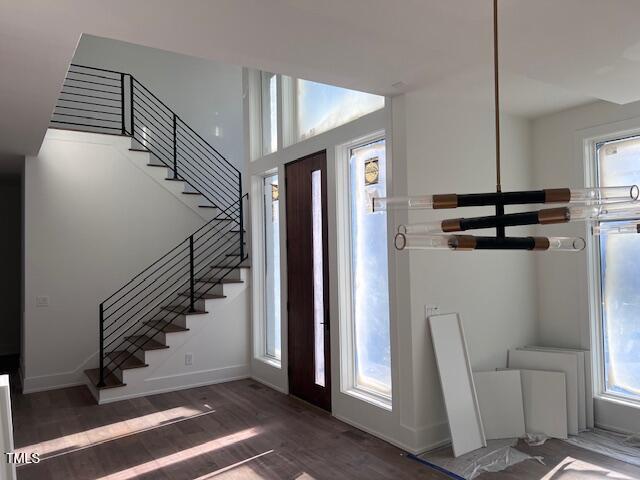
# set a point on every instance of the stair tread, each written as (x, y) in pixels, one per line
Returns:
(191, 193)
(125, 360)
(205, 296)
(166, 327)
(246, 265)
(145, 342)
(110, 379)
(184, 309)
(211, 206)
(156, 165)
(171, 179)
(218, 280)
(139, 150)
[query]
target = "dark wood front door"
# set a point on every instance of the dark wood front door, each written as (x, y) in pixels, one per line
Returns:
(308, 280)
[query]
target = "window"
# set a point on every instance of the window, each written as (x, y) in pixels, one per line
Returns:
(322, 107)
(618, 163)
(272, 267)
(269, 112)
(318, 276)
(369, 284)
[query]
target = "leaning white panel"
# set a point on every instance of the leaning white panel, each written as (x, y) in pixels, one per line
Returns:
(584, 358)
(7, 470)
(500, 399)
(456, 380)
(545, 402)
(557, 362)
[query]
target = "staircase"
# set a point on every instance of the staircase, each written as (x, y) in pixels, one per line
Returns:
(142, 318)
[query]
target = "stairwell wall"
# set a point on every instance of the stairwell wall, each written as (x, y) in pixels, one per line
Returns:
(93, 220)
(207, 95)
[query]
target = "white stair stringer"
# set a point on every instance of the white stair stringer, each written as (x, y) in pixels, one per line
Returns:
(162, 175)
(146, 163)
(218, 342)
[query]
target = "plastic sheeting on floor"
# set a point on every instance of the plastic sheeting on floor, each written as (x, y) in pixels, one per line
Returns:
(496, 456)
(615, 445)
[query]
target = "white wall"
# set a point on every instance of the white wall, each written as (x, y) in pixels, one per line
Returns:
(564, 318)
(10, 273)
(93, 220)
(450, 149)
(205, 94)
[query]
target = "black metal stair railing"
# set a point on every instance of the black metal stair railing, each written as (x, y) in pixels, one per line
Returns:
(106, 101)
(133, 316)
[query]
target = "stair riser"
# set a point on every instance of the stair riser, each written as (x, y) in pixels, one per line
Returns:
(155, 335)
(216, 290)
(230, 275)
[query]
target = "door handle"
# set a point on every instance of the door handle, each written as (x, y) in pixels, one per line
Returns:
(325, 315)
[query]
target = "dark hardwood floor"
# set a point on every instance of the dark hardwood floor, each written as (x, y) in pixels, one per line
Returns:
(234, 430)
(237, 430)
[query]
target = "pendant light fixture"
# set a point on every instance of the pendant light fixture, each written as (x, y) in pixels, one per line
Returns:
(586, 204)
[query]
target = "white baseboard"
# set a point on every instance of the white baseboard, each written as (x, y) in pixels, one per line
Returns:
(270, 385)
(172, 383)
(398, 443)
(54, 381)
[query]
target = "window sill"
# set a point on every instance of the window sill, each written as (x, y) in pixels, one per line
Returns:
(371, 398)
(272, 362)
(619, 400)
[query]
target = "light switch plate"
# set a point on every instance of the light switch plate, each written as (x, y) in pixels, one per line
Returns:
(188, 359)
(42, 301)
(431, 310)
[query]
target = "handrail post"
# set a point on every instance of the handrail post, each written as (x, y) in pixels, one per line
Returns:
(241, 220)
(133, 131)
(192, 292)
(122, 116)
(101, 381)
(175, 146)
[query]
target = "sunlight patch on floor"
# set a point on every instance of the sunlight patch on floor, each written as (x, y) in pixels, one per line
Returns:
(239, 468)
(571, 468)
(184, 455)
(114, 431)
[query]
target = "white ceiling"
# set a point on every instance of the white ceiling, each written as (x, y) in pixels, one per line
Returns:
(555, 53)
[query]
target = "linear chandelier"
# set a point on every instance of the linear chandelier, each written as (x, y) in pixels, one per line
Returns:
(589, 204)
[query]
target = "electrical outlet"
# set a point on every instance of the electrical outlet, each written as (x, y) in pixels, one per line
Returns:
(188, 359)
(42, 301)
(431, 310)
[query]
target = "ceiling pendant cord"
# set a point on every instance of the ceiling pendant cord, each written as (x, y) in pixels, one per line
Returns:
(500, 230)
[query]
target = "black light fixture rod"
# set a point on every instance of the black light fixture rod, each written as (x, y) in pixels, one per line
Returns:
(452, 200)
(511, 243)
(544, 217)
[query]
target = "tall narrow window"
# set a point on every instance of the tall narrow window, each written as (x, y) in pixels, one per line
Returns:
(318, 276)
(269, 113)
(369, 270)
(272, 267)
(618, 163)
